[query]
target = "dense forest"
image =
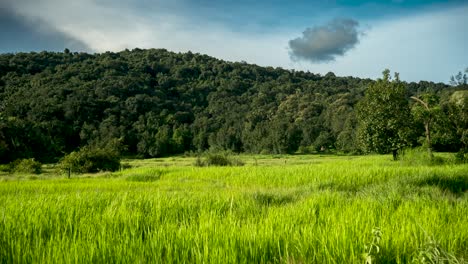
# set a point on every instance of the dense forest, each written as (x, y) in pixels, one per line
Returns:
(150, 103)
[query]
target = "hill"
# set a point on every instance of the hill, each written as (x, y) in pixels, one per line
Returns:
(154, 102)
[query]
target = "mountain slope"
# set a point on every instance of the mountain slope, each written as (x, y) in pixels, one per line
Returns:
(156, 102)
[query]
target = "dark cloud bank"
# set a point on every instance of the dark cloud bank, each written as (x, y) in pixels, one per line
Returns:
(21, 34)
(325, 43)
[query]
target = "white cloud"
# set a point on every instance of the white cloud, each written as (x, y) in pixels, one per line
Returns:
(326, 42)
(429, 46)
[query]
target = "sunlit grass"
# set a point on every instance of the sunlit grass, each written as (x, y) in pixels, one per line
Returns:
(287, 209)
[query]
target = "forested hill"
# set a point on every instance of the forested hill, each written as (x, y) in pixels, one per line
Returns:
(154, 103)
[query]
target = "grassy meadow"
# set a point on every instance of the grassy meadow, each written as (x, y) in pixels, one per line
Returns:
(274, 209)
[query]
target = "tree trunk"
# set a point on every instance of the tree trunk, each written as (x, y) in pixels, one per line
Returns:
(395, 154)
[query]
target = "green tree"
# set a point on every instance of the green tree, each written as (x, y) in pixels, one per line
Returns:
(156, 103)
(384, 116)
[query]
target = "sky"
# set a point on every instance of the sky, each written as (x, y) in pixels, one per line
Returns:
(420, 39)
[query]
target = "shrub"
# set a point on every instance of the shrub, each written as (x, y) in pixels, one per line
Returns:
(218, 159)
(306, 150)
(373, 248)
(199, 162)
(26, 166)
(91, 159)
(432, 252)
(420, 156)
(236, 162)
(5, 168)
(462, 156)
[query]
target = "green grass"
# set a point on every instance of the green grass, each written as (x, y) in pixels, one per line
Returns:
(286, 209)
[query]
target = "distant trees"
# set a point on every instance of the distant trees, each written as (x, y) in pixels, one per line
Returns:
(384, 116)
(156, 103)
(460, 78)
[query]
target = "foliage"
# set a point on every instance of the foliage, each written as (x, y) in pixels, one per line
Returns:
(432, 253)
(418, 156)
(91, 159)
(462, 156)
(5, 168)
(160, 103)
(218, 159)
(384, 116)
(373, 248)
(199, 162)
(30, 166)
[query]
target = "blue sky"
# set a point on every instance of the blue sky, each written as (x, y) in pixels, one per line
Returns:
(423, 40)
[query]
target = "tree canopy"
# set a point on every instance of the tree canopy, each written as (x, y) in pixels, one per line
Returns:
(384, 116)
(156, 103)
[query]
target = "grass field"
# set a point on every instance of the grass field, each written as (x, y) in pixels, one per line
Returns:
(275, 209)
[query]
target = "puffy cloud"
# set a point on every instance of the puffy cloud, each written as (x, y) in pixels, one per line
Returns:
(430, 45)
(325, 43)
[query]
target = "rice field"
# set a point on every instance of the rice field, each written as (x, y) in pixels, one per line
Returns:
(275, 209)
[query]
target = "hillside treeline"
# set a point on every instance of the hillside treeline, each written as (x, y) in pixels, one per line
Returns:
(151, 103)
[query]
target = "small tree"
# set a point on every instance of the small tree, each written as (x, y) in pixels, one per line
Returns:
(26, 166)
(90, 159)
(384, 116)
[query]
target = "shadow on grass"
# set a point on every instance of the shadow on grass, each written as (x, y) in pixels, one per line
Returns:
(456, 185)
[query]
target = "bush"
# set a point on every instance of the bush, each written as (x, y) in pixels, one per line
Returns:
(462, 156)
(29, 166)
(90, 160)
(306, 150)
(217, 159)
(420, 156)
(5, 168)
(415, 156)
(199, 162)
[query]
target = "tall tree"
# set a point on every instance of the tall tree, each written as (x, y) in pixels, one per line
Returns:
(384, 116)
